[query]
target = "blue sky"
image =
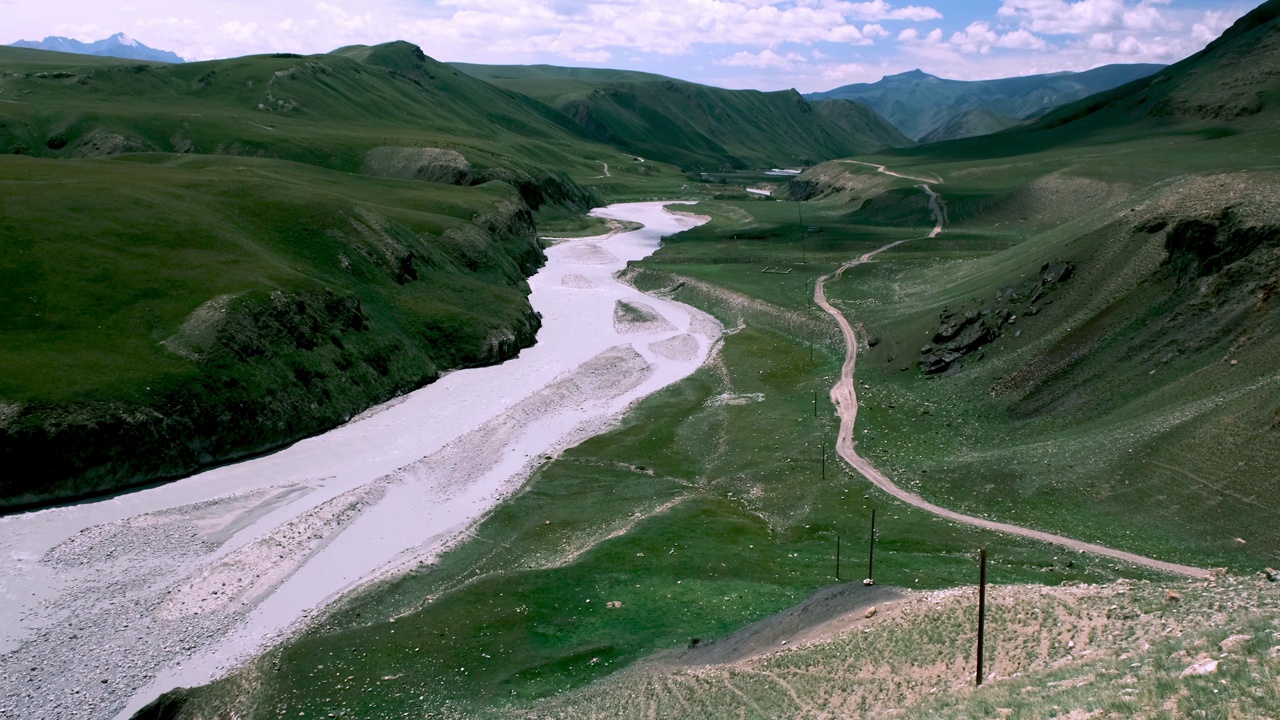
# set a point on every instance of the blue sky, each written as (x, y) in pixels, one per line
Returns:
(806, 44)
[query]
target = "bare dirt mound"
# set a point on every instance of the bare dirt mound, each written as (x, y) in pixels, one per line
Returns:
(827, 613)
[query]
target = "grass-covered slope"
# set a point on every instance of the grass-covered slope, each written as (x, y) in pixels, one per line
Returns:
(1229, 86)
(918, 103)
(208, 260)
(164, 313)
(1090, 346)
(970, 123)
(1117, 651)
(695, 126)
(1091, 352)
(329, 110)
(859, 119)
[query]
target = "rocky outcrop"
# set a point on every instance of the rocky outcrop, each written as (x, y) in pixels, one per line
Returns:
(964, 332)
(1199, 247)
(442, 165)
(427, 164)
(538, 188)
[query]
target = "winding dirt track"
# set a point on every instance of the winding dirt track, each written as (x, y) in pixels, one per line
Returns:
(844, 396)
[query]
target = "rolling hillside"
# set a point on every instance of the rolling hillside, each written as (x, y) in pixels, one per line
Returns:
(1230, 85)
(1144, 395)
(209, 260)
(970, 123)
(695, 126)
(918, 103)
(859, 119)
(325, 110)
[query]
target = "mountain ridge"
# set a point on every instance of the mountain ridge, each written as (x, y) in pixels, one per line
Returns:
(918, 103)
(701, 127)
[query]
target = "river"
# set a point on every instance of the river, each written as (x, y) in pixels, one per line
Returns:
(104, 605)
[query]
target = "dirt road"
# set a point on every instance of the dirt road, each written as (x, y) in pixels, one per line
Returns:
(845, 397)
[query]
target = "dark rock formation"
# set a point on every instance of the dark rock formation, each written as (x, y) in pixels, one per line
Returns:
(961, 333)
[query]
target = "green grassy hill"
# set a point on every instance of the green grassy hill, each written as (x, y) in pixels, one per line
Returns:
(326, 110)
(695, 126)
(209, 260)
(1228, 86)
(970, 123)
(168, 312)
(1090, 345)
(859, 119)
(918, 103)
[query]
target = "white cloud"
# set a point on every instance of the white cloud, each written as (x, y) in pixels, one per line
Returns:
(874, 31)
(1060, 17)
(1105, 42)
(978, 37)
(881, 10)
(1211, 26)
(763, 59)
(838, 74)
(1022, 40)
(479, 28)
(760, 43)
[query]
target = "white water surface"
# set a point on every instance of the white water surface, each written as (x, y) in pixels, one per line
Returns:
(413, 475)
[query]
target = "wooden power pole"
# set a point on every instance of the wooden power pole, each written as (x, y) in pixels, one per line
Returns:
(871, 554)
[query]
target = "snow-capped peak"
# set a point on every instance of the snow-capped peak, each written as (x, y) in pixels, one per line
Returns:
(124, 39)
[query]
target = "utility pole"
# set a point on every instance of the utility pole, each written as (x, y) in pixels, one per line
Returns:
(804, 258)
(982, 607)
(824, 460)
(837, 557)
(871, 554)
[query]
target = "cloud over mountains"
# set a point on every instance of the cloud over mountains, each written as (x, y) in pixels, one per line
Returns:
(808, 44)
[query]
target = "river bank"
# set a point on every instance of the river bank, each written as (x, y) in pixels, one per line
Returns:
(105, 605)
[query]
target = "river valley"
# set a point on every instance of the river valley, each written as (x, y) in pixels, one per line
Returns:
(104, 605)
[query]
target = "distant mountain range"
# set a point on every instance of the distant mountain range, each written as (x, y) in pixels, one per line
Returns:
(919, 104)
(694, 126)
(117, 46)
